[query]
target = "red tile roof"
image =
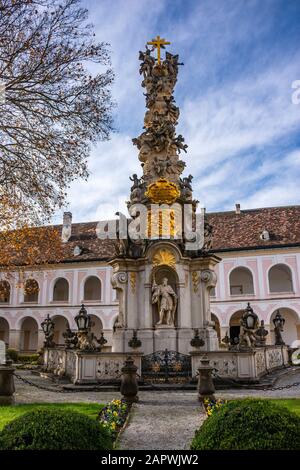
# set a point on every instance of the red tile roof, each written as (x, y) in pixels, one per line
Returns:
(92, 248)
(231, 231)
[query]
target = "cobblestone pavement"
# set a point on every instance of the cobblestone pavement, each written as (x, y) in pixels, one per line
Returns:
(162, 420)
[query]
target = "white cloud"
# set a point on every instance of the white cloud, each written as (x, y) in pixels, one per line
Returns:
(239, 126)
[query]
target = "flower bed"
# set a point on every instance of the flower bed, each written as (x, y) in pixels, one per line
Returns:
(113, 416)
(211, 406)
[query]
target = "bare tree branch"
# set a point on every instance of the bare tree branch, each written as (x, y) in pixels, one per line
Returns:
(55, 106)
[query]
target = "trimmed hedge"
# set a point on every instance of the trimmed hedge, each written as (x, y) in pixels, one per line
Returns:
(249, 424)
(55, 430)
(28, 358)
(12, 354)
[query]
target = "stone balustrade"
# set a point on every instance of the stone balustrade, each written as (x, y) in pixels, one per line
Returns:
(244, 365)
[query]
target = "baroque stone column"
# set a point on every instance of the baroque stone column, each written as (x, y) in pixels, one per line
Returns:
(203, 279)
(208, 281)
(119, 282)
(127, 278)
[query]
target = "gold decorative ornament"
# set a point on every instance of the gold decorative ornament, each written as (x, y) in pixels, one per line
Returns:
(158, 43)
(164, 222)
(132, 280)
(162, 192)
(177, 367)
(155, 367)
(164, 256)
(196, 280)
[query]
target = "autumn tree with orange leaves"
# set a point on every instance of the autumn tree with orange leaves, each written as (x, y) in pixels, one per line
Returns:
(54, 104)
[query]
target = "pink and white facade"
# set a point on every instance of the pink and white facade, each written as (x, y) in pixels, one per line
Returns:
(20, 318)
(267, 277)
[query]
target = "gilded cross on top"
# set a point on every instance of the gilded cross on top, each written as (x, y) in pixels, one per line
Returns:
(158, 43)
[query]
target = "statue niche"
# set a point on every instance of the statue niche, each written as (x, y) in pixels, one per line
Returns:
(164, 298)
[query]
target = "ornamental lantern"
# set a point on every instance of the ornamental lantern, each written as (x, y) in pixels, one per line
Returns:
(48, 329)
(82, 319)
(47, 325)
(249, 323)
(250, 318)
(279, 321)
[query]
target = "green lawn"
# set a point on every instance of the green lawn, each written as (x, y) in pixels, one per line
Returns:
(8, 413)
(293, 404)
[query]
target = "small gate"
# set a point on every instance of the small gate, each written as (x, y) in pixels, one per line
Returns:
(166, 366)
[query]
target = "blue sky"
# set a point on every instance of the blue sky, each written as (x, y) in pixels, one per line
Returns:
(234, 93)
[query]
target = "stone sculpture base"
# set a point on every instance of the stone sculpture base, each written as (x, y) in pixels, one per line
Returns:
(155, 339)
(165, 338)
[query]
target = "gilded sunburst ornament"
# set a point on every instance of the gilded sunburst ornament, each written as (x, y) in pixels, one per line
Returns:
(164, 256)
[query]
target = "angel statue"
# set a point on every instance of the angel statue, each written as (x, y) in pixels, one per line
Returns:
(166, 299)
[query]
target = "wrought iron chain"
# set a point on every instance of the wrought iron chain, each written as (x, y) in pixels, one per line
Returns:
(264, 389)
(41, 387)
(295, 384)
(231, 382)
(48, 389)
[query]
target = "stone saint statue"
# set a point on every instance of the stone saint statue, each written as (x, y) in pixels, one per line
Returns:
(166, 299)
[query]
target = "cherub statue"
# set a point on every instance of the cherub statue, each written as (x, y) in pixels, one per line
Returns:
(179, 142)
(187, 182)
(147, 64)
(136, 181)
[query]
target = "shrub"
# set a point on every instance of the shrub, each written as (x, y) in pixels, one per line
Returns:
(54, 430)
(28, 358)
(248, 425)
(12, 354)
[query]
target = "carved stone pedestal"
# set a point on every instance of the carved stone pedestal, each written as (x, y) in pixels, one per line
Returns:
(184, 340)
(165, 338)
(211, 339)
(119, 340)
(163, 276)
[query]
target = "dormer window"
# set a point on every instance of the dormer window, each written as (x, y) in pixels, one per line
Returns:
(265, 236)
(77, 250)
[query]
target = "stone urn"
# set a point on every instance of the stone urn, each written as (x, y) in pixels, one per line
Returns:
(129, 384)
(7, 385)
(206, 388)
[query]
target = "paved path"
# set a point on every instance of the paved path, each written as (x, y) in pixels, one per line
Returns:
(163, 421)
